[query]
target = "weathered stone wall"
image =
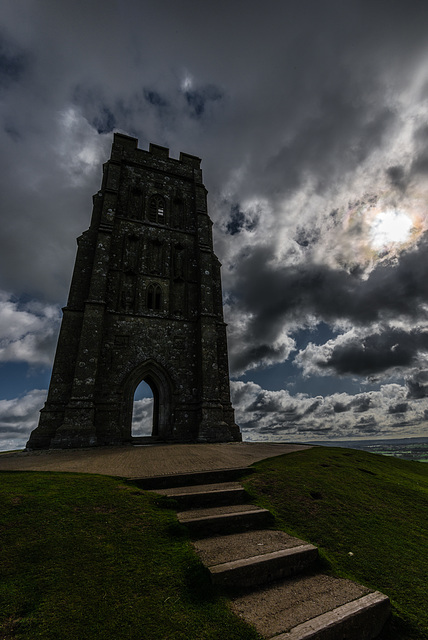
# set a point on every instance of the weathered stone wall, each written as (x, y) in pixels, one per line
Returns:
(145, 304)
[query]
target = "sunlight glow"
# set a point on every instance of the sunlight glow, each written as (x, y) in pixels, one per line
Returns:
(392, 226)
(376, 229)
(187, 82)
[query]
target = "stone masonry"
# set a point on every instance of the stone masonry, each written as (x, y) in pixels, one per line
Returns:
(145, 303)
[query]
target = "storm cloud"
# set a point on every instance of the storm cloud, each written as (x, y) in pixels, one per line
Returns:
(364, 353)
(274, 296)
(310, 119)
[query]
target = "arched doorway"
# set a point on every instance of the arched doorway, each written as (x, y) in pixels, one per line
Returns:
(158, 385)
(142, 412)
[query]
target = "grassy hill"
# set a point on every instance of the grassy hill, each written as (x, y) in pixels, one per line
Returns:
(367, 513)
(87, 557)
(84, 556)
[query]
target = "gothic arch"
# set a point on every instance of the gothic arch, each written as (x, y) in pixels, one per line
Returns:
(154, 297)
(157, 209)
(160, 383)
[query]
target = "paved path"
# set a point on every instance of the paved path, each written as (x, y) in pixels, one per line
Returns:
(145, 461)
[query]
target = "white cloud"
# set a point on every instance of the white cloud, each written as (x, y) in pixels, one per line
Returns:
(18, 417)
(378, 351)
(28, 331)
(281, 416)
(142, 417)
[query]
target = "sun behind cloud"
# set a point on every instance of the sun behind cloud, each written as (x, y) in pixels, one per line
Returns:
(377, 228)
(392, 226)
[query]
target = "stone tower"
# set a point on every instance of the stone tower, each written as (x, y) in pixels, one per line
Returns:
(145, 303)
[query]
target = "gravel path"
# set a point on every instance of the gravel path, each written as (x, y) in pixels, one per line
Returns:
(146, 461)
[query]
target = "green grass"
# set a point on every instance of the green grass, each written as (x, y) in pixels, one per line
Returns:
(368, 514)
(86, 557)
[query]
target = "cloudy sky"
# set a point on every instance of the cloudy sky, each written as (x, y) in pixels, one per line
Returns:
(311, 119)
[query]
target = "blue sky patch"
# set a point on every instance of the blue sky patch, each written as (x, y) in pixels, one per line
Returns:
(154, 98)
(198, 99)
(13, 64)
(19, 378)
(239, 221)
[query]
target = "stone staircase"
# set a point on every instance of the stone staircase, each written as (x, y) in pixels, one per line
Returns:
(270, 577)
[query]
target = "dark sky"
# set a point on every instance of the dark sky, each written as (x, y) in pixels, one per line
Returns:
(310, 117)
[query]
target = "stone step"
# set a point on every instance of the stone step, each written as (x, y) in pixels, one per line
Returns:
(199, 488)
(247, 544)
(141, 441)
(221, 520)
(316, 607)
(200, 496)
(254, 557)
(188, 479)
(362, 619)
(244, 556)
(264, 568)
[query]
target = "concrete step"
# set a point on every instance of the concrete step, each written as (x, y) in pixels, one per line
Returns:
(317, 607)
(221, 520)
(244, 556)
(188, 479)
(247, 544)
(362, 619)
(219, 494)
(264, 568)
(254, 557)
(142, 441)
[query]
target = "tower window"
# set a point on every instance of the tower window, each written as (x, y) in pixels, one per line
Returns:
(158, 296)
(178, 212)
(154, 297)
(157, 209)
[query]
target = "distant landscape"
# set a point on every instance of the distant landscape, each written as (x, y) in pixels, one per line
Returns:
(405, 448)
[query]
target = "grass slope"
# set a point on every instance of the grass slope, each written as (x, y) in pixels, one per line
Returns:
(89, 557)
(86, 557)
(367, 514)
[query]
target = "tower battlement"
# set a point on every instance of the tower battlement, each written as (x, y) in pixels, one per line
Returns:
(127, 145)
